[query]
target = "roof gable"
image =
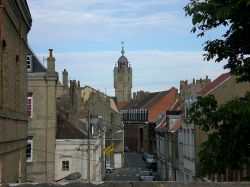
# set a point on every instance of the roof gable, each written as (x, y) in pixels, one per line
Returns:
(214, 84)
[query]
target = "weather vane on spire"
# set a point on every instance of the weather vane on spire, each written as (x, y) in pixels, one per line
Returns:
(122, 48)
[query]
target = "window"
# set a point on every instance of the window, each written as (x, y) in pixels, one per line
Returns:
(65, 165)
(30, 106)
(29, 149)
(29, 63)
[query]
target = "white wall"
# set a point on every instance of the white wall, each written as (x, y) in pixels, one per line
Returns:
(75, 151)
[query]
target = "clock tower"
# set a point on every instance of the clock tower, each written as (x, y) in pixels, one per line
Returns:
(123, 78)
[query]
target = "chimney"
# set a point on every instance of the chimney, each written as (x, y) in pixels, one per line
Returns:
(193, 81)
(51, 62)
(65, 78)
(206, 77)
(79, 85)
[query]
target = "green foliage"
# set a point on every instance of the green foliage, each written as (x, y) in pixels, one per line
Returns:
(228, 128)
(234, 45)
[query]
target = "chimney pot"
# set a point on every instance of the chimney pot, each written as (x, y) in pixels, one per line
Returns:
(50, 52)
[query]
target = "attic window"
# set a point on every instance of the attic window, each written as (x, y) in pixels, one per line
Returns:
(29, 63)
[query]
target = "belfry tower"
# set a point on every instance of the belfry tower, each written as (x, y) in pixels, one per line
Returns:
(123, 78)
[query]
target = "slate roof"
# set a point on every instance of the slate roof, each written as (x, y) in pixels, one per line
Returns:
(36, 64)
(146, 101)
(214, 84)
(66, 130)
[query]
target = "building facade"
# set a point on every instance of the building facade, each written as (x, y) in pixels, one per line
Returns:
(140, 117)
(42, 119)
(224, 88)
(72, 145)
(123, 79)
(15, 23)
(99, 104)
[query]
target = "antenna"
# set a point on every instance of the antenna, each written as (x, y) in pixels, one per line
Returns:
(44, 60)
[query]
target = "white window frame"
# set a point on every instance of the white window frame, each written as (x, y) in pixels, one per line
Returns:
(30, 159)
(64, 168)
(31, 112)
(29, 63)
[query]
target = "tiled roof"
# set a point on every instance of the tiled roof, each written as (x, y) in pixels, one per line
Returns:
(66, 130)
(178, 105)
(140, 104)
(161, 104)
(156, 103)
(162, 125)
(121, 105)
(211, 86)
(176, 126)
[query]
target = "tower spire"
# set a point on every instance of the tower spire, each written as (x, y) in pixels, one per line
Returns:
(122, 48)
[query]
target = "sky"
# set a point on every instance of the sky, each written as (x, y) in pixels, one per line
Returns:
(86, 36)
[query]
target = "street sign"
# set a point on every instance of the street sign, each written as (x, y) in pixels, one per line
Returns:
(109, 149)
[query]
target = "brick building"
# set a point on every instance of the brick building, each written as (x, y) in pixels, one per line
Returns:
(140, 116)
(15, 23)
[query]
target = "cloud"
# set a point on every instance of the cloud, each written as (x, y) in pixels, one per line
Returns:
(152, 70)
(101, 21)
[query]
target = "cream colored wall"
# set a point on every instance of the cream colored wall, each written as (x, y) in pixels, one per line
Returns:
(227, 91)
(42, 126)
(75, 151)
(102, 105)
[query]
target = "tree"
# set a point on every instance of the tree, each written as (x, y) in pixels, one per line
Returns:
(234, 45)
(228, 128)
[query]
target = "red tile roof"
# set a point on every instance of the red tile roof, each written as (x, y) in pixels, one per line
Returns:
(161, 104)
(215, 83)
(161, 125)
(176, 126)
(178, 105)
(121, 105)
(156, 103)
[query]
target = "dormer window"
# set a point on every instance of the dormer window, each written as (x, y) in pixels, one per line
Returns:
(29, 63)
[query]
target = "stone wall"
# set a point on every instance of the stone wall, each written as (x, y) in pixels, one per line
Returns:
(15, 23)
(134, 184)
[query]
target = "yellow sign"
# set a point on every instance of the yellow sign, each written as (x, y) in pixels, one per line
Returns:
(109, 149)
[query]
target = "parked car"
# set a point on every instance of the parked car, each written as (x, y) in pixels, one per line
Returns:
(146, 176)
(109, 169)
(145, 155)
(151, 162)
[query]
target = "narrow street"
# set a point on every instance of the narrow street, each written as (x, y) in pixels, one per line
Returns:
(133, 165)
